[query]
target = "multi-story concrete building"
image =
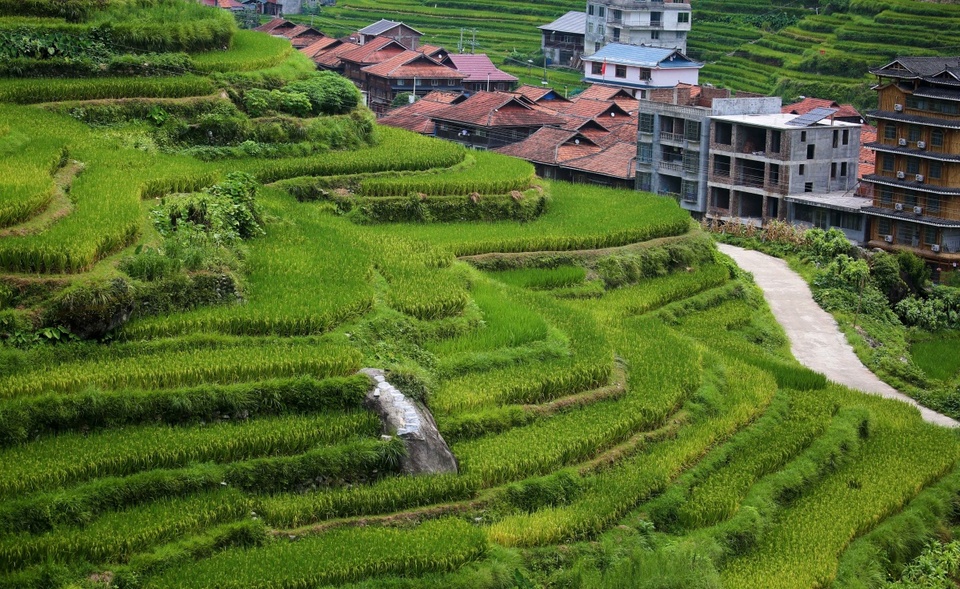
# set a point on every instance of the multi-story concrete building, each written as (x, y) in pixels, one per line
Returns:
(915, 185)
(674, 139)
(757, 161)
(660, 23)
(741, 158)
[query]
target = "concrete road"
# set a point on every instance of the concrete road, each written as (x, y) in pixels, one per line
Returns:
(815, 339)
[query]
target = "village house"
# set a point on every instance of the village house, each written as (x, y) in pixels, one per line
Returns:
(915, 183)
(562, 40)
(487, 120)
(480, 74)
(639, 69)
(409, 71)
(657, 23)
(797, 168)
(407, 36)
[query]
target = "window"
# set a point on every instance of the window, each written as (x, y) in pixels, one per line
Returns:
(617, 16)
(803, 136)
(434, 82)
(913, 134)
(808, 187)
(621, 71)
(836, 138)
(775, 174)
(723, 133)
(646, 153)
(843, 169)
(616, 35)
(913, 165)
(850, 221)
(886, 196)
(833, 169)
(646, 122)
(883, 227)
(935, 170)
(811, 150)
(644, 74)
(930, 235)
(601, 11)
(908, 234)
(846, 136)
(801, 169)
(589, 27)
(888, 162)
(596, 46)
(775, 141)
(889, 131)
(596, 68)
(655, 35)
(936, 138)
(403, 82)
(683, 17)
(590, 9)
(933, 203)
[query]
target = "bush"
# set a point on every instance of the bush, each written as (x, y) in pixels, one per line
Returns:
(259, 102)
(329, 93)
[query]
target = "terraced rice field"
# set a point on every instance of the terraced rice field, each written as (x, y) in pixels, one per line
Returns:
(622, 405)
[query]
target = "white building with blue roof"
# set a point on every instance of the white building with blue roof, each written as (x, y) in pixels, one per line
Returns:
(639, 68)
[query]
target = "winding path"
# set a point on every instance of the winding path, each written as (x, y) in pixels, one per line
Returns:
(815, 339)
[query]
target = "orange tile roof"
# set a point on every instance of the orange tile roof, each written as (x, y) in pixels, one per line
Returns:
(272, 24)
(552, 146)
(809, 103)
(416, 116)
(431, 50)
(591, 109)
(319, 45)
(617, 161)
(412, 64)
(497, 109)
(536, 93)
(376, 50)
(443, 97)
(330, 57)
(601, 92)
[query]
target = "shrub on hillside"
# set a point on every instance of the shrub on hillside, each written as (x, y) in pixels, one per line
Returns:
(329, 93)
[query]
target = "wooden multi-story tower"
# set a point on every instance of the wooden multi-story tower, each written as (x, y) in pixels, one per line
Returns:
(915, 185)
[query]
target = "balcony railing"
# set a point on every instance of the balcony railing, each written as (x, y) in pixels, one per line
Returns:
(671, 166)
(666, 136)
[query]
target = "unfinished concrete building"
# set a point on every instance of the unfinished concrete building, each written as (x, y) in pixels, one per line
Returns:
(757, 161)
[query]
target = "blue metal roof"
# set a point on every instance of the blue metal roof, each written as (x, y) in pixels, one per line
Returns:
(642, 56)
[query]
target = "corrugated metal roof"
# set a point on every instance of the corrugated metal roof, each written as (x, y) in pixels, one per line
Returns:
(642, 56)
(571, 22)
(383, 25)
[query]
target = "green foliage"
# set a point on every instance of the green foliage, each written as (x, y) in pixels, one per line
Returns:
(329, 93)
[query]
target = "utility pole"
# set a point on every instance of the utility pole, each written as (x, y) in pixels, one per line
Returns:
(460, 45)
(473, 44)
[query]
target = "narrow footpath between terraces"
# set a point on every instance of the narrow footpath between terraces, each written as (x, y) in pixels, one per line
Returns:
(815, 339)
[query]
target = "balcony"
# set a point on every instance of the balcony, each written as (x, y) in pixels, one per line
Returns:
(675, 137)
(676, 166)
